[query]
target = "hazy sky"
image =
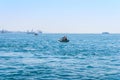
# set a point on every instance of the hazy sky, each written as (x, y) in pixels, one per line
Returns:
(73, 16)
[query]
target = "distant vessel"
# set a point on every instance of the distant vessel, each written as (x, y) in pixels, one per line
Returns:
(4, 31)
(105, 33)
(34, 32)
(39, 31)
(30, 32)
(64, 39)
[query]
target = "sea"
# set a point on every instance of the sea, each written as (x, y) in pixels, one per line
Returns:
(42, 57)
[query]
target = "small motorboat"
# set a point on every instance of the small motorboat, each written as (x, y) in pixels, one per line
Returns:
(64, 39)
(36, 34)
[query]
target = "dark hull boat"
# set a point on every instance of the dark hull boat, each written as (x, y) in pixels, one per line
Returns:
(63, 40)
(36, 34)
(105, 33)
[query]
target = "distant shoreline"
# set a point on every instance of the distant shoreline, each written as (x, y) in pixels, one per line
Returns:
(59, 33)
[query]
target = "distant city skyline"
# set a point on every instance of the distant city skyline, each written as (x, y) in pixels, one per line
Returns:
(61, 16)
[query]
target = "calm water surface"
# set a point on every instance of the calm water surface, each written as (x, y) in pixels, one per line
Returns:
(85, 57)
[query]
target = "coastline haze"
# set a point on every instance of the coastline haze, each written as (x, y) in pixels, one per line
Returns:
(64, 16)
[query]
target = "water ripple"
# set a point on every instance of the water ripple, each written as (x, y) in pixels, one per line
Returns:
(42, 57)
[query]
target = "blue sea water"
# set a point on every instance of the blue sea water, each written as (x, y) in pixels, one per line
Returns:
(86, 57)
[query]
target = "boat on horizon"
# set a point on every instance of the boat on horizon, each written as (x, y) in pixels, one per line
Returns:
(4, 31)
(34, 32)
(105, 33)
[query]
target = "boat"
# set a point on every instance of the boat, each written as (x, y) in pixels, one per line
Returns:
(63, 39)
(5, 31)
(105, 33)
(30, 32)
(36, 34)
